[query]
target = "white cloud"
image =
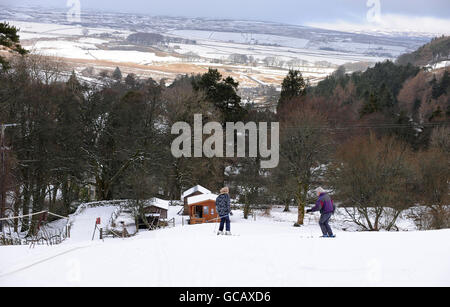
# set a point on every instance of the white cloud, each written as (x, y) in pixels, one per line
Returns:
(430, 26)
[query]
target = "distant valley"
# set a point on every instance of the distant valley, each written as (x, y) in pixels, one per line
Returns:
(258, 54)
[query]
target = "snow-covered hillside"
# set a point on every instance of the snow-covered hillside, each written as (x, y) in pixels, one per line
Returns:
(267, 251)
(255, 53)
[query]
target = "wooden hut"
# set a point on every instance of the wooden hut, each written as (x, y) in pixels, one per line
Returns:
(156, 212)
(194, 191)
(202, 209)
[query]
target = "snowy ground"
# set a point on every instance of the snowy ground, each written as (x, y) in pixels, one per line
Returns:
(267, 251)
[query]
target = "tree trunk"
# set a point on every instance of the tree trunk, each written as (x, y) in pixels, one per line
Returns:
(53, 197)
(246, 208)
(301, 198)
(102, 189)
(17, 205)
(286, 207)
(301, 205)
(394, 219)
(26, 207)
(301, 213)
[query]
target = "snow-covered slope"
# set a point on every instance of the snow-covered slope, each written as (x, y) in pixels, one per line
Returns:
(268, 251)
(83, 224)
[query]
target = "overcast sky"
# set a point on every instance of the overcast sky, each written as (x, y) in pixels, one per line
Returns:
(406, 14)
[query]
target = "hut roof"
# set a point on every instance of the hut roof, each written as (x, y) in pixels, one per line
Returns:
(156, 202)
(197, 188)
(200, 198)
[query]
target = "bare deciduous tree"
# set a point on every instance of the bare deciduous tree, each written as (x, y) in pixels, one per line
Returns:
(374, 180)
(440, 138)
(305, 146)
(432, 186)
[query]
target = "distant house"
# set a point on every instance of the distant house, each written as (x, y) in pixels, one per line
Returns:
(202, 209)
(194, 191)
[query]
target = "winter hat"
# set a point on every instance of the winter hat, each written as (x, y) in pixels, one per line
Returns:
(224, 190)
(320, 190)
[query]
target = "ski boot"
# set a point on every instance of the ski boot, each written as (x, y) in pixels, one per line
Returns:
(228, 233)
(220, 233)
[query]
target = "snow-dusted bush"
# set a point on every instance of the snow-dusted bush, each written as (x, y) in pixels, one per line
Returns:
(427, 218)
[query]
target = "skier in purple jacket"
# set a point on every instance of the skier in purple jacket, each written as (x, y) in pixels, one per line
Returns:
(326, 207)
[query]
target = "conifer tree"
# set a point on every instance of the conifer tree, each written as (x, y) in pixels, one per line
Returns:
(117, 74)
(293, 86)
(9, 39)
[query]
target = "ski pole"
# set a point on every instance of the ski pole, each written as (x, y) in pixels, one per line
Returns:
(215, 227)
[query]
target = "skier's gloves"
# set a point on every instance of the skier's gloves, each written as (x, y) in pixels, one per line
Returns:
(309, 211)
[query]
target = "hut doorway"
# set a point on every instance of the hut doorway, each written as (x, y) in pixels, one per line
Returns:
(198, 212)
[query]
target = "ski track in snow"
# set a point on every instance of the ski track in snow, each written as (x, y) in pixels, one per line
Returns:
(27, 266)
(266, 252)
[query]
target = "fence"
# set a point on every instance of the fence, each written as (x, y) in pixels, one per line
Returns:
(36, 229)
(41, 232)
(111, 227)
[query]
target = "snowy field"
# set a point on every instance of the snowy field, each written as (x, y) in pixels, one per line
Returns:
(96, 46)
(70, 42)
(86, 49)
(267, 251)
(219, 45)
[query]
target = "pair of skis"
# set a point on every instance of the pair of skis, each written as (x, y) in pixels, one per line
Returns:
(313, 237)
